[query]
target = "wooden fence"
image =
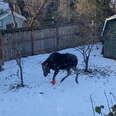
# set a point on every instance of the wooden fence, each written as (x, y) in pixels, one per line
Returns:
(38, 40)
(1, 52)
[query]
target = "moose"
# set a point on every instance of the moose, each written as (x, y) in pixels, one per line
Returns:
(57, 61)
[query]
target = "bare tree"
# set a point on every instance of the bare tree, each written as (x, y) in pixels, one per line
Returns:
(34, 9)
(17, 54)
(16, 51)
(88, 28)
(11, 4)
(19, 63)
(88, 38)
(86, 52)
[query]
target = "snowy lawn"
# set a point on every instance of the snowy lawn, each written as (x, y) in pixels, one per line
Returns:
(40, 98)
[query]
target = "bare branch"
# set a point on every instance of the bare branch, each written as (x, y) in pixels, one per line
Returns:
(92, 105)
(107, 101)
(12, 12)
(36, 13)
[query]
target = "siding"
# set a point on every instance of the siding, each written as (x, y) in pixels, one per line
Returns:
(110, 39)
(9, 20)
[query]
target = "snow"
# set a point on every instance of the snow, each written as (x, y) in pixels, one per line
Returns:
(40, 98)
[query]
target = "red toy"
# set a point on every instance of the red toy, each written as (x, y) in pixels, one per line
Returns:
(53, 82)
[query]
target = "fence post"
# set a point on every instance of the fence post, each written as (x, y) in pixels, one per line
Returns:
(32, 41)
(1, 52)
(57, 37)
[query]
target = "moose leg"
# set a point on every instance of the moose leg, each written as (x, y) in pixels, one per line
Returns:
(76, 79)
(53, 79)
(55, 73)
(68, 73)
(76, 72)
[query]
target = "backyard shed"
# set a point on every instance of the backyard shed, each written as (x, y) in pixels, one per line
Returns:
(109, 37)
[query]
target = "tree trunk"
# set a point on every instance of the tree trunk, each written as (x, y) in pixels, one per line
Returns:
(21, 75)
(86, 64)
(13, 15)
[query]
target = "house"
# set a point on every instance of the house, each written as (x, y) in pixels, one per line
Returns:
(109, 37)
(6, 20)
(3, 5)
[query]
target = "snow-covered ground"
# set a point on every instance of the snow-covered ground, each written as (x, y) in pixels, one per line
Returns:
(40, 98)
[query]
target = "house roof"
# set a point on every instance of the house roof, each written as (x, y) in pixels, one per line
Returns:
(3, 5)
(107, 19)
(110, 18)
(9, 13)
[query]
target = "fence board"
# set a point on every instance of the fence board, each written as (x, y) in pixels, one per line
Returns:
(39, 40)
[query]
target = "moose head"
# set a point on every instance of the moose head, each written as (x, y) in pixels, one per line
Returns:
(45, 68)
